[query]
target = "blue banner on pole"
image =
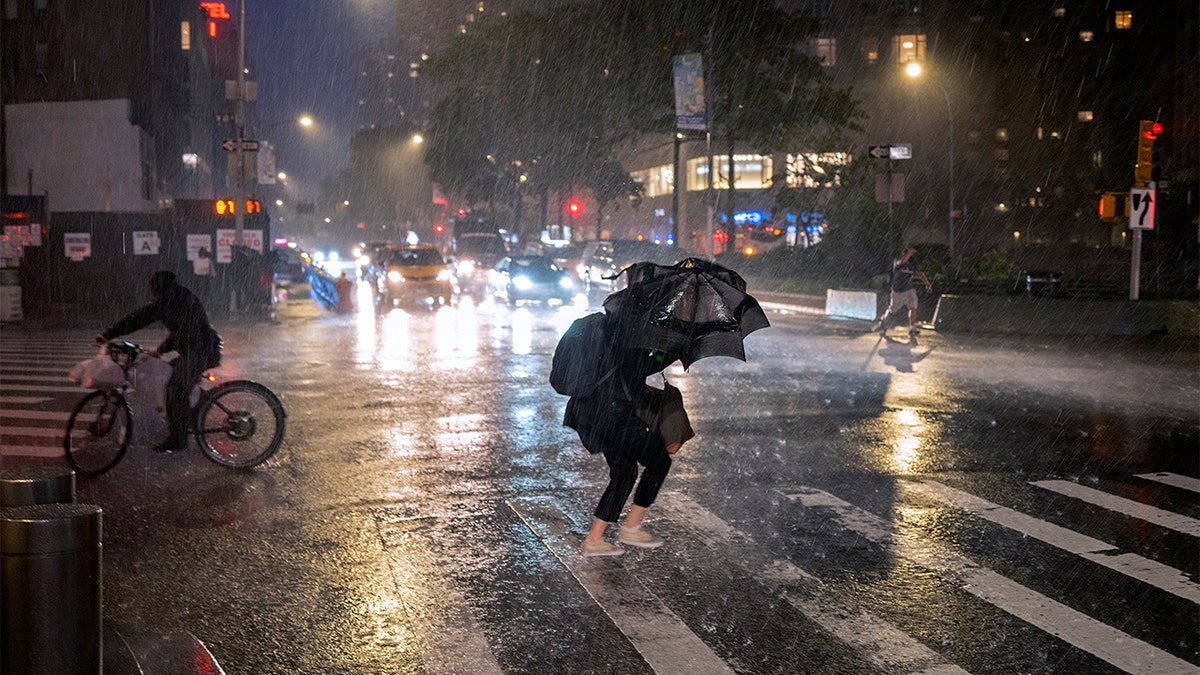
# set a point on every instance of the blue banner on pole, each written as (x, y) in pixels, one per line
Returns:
(689, 92)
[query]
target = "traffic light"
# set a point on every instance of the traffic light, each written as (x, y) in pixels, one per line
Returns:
(438, 228)
(1144, 171)
(1114, 206)
(575, 207)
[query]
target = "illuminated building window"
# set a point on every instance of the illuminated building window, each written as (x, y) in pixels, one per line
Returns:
(185, 35)
(870, 49)
(479, 8)
(1001, 154)
(656, 181)
(906, 48)
(1086, 35)
(1002, 134)
(827, 51)
(1059, 12)
(1085, 115)
(1123, 19)
(751, 172)
(816, 169)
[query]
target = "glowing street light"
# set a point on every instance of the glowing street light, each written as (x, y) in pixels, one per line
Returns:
(305, 121)
(914, 70)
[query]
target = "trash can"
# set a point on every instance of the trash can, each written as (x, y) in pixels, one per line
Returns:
(36, 485)
(51, 613)
(1042, 284)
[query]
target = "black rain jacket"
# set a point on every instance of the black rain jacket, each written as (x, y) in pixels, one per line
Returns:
(189, 331)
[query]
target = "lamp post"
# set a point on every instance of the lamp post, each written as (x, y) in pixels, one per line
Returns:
(914, 70)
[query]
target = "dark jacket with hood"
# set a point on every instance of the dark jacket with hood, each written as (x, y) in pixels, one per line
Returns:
(189, 331)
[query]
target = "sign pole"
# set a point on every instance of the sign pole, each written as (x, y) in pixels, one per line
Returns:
(239, 205)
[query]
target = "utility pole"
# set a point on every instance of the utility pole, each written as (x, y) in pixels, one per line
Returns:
(675, 191)
(239, 122)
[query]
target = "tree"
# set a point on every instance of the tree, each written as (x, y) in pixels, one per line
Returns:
(561, 90)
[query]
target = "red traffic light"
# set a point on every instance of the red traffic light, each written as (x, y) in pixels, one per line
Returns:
(574, 207)
(1153, 132)
(439, 228)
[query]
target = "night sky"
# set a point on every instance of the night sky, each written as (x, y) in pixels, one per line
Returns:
(303, 55)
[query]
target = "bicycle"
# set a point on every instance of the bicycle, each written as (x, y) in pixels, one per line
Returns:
(238, 423)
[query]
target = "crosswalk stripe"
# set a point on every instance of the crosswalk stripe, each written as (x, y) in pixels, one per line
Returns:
(1073, 627)
(450, 638)
(54, 415)
(7, 401)
(659, 635)
(33, 450)
(1143, 569)
(1150, 514)
(33, 369)
(5, 378)
(41, 387)
(1173, 479)
(889, 648)
(41, 432)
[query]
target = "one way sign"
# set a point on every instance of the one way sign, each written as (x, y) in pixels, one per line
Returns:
(1141, 208)
(247, 145)
(879, 151)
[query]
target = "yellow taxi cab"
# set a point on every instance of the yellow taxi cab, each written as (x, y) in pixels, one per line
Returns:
(416, 274)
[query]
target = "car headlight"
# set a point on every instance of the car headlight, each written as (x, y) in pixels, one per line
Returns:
(443, 275)
(466, 266)
(395, 276)
(566, 283)
(522, 283)
(581, 270)
(318, 256)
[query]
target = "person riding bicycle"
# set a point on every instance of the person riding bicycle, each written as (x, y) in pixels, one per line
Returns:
(189, 334)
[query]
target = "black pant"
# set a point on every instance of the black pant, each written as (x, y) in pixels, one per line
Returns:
(186, 373)
(628, 444)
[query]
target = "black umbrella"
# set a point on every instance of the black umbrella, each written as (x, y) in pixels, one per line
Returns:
(690, 310)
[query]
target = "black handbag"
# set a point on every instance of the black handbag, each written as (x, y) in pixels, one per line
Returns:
(662, 410)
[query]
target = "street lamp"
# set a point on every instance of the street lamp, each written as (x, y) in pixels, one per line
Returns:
(914, 70)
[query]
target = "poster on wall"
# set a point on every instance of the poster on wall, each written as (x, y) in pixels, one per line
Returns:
(250, 239)
(77, 245)
(195, 242)
(146, 242)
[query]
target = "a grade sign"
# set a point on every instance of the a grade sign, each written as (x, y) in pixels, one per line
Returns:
(1141, 208)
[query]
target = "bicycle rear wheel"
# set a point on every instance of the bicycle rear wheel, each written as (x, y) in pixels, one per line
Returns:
(240, 424)
(98, 432)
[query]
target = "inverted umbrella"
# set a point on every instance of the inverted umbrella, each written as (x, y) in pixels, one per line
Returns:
(690, 310)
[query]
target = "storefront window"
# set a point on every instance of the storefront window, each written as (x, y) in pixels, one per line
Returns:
(816, 169)
(656, 181)
(751, 172)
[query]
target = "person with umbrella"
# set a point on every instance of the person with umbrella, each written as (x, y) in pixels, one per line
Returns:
(682, 312)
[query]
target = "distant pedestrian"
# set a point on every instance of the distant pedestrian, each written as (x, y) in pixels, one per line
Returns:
(902, 292)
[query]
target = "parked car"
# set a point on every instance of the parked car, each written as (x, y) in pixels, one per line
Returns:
(530, 277)
(603, 260)
(416, 274)
(475, 254)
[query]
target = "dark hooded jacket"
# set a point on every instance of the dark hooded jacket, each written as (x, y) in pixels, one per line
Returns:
(189, 331)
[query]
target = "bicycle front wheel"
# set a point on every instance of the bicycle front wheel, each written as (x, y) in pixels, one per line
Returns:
(98, 432)
(240, 424)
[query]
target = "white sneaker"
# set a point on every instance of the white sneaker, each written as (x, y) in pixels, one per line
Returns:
(600, 548)
(640, 538)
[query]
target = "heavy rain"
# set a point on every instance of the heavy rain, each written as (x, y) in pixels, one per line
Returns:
(536, 336)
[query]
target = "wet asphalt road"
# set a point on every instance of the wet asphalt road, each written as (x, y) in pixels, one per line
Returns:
(850, 505)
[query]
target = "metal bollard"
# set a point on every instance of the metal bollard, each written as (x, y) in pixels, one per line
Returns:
(51, 613)
(36, 485)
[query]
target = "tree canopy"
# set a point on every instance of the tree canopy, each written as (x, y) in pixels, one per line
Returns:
(552, 96)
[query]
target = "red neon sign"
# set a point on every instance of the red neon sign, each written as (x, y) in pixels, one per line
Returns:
(216, 10)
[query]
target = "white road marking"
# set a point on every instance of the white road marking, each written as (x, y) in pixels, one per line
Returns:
(45, 432)
(7, 401)
(881, 643)
(18, 414)
(42, 387)
(1071, 626)
(1150, 514)
(33, 450)
(1143, 569)
(450, 639)
(7, 378)
(1173, 479)
(659, 635)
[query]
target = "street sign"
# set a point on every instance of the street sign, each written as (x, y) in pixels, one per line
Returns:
(879, 151)
(900, 151)
(1141, 208)
(248, 145)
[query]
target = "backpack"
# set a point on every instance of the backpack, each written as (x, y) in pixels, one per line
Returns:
(579, 357)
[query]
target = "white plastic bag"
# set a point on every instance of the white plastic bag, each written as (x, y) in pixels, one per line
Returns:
(98, 372)
(150, 377)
